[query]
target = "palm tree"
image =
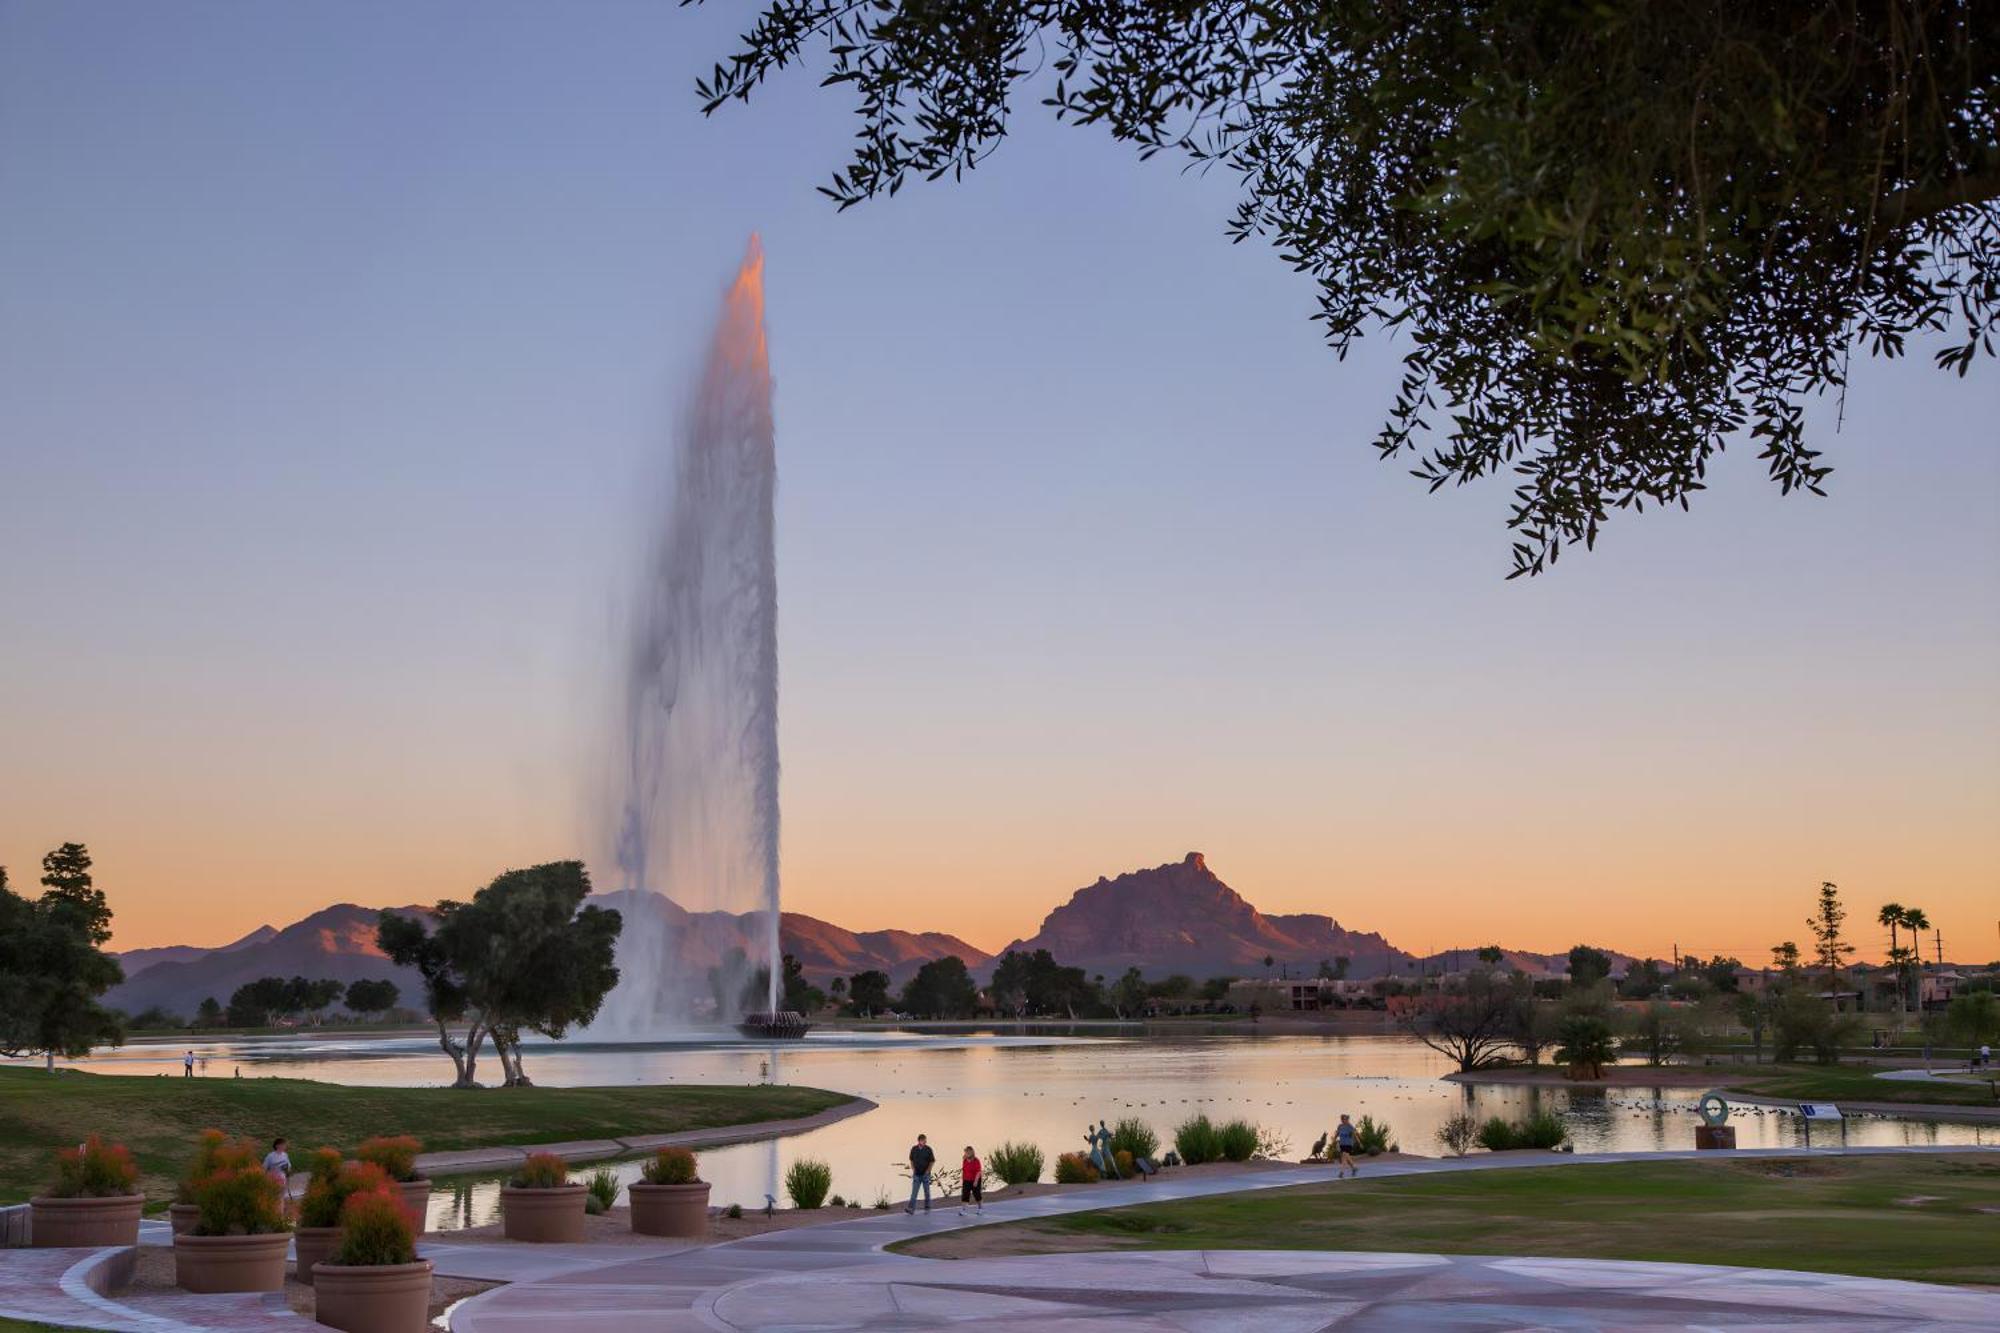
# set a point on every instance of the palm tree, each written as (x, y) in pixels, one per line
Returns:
(1916, 923)
(1891, 916)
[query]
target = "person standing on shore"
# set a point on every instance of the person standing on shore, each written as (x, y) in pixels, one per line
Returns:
(187, 1065)
(1345, 1139)
(971, 1183)
(922, 1159)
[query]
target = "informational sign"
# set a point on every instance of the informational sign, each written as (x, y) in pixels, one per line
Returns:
(1820, 1111)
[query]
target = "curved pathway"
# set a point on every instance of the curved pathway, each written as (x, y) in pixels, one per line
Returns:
(836, 1277)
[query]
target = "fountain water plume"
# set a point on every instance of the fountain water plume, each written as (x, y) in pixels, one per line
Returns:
(698, 778)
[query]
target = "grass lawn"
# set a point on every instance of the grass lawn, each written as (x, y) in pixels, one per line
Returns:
(1916, 1217)
(1854, 1083)
(157, 1118)
(19, 1326)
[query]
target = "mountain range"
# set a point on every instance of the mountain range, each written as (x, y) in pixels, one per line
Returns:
(1177, 917)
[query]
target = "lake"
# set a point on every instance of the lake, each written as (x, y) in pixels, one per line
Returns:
(982, 1087)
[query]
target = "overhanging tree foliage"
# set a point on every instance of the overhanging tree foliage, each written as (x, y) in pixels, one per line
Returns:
(1614, 235)
(52, 968)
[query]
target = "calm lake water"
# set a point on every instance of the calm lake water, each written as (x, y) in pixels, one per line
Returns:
(984, 1087)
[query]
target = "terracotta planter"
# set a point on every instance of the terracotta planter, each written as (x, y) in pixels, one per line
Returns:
(391, 1298)
(543, 1216)
(669, 1210)
(58, 1223)
(208, 1264)
(182, 1216)
(310, 1245)
(416, 1200)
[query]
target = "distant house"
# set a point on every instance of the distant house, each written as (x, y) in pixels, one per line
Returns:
(1274, 995)
(1938, 988)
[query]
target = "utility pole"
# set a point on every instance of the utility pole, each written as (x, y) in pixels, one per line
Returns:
(1938, 935)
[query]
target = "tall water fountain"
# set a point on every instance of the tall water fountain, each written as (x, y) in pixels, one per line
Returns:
(697, 806)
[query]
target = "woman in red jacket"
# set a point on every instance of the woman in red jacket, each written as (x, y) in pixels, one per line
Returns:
(971, 1183)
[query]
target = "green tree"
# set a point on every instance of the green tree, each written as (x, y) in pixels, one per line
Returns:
(868, 991)
(1175, 990)
(368, 996)
(208, 1014)
(1974, 1018)
(1585, 1045)
(524, 955)
(800, 995)
(1128, 996)
(1614, 236)
(1801, 1021)
(942, 988)
(255, 1003)
(52, 970)
(1491, 955)
(1891, 915)
(1785, 957)
(1656, 1033)
(1916, 923)
(1643, 981)
(1216, 989)
(1474, 1024)
(1588, 966)
(1829, 949)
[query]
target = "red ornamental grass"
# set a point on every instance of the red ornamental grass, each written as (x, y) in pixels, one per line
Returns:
(542, 1171)
(395, 1154)
(96, 1170)
(671, 1166)
(214, 1151)
(239, 1201)
(375, 1231)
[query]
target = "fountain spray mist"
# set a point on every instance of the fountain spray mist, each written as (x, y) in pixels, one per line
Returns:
(698, 787)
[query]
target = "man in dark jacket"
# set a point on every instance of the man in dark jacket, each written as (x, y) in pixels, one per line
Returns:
(922, 1159)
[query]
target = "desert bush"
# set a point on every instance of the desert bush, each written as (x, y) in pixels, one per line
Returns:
(395, 1154)
(1123, 1161)
(1136, 1137)
(1496, 1135)
(1015, 1163)
(1236, 1140)
(1195, 1139)
(1272, 1144)
(671, 1166)
(836, 1202)
(1371, 1136)
(1458, 1134)
(807, 1182)
(1542, 1129)
(542, 1171)
(213, 1150)
(239, 1201)
(327, 1192)
(735, 1210)
(95, 1170)
(603, 1190)
(1073, 1168)
(374, 1230)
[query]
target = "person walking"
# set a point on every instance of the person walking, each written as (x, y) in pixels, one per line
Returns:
(1346, 1140)
(922, 1159)
(187, 1065)
(971, 1183)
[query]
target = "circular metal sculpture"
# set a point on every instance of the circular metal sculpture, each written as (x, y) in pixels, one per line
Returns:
(1714, 1109)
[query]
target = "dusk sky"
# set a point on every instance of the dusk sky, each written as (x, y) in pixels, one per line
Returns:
(338, 340)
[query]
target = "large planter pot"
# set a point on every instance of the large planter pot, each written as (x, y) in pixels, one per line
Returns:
(669, 1210)
(311, 1245)
(543, 1216)
(182, 1216)
(392, 1298)
(209, 1264)
(416, 1200)
(58, 1223)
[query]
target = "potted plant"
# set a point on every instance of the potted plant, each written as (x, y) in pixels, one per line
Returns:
(671, 1200)
(397, 1156)
(333, 1183)
(374, 1282)
(94, 1200)
(539, 1204)
(240, 1234)
(212, 1149)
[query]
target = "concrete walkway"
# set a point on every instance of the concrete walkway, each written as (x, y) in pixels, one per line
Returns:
(836, 1277)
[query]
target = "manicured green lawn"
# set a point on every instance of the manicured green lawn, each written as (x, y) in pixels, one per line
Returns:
(157, 1118)
(1914, 1217)
(1854, 1083)
(17, 1326)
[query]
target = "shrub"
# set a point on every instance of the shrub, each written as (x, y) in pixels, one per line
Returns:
(882, 1201)
(1458, 1134)
(374, 1230)
(213, 1150)
(1073, 1168)
(1015, 1163)
(239, 1201)
(836, 1202)
(1496, 1135)
(542, 1171)
(1236, 1140)
(1135, 1137)
(96, 1170)
(1196, 1141)
(1123, 1161)
(1272, 1144)
(1371, 1136)
(1543, 1129)
(328, 1191)
(670, 1166)
(603, 1187)
(395, 1154)
(735, 1210)
(807, 1181)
